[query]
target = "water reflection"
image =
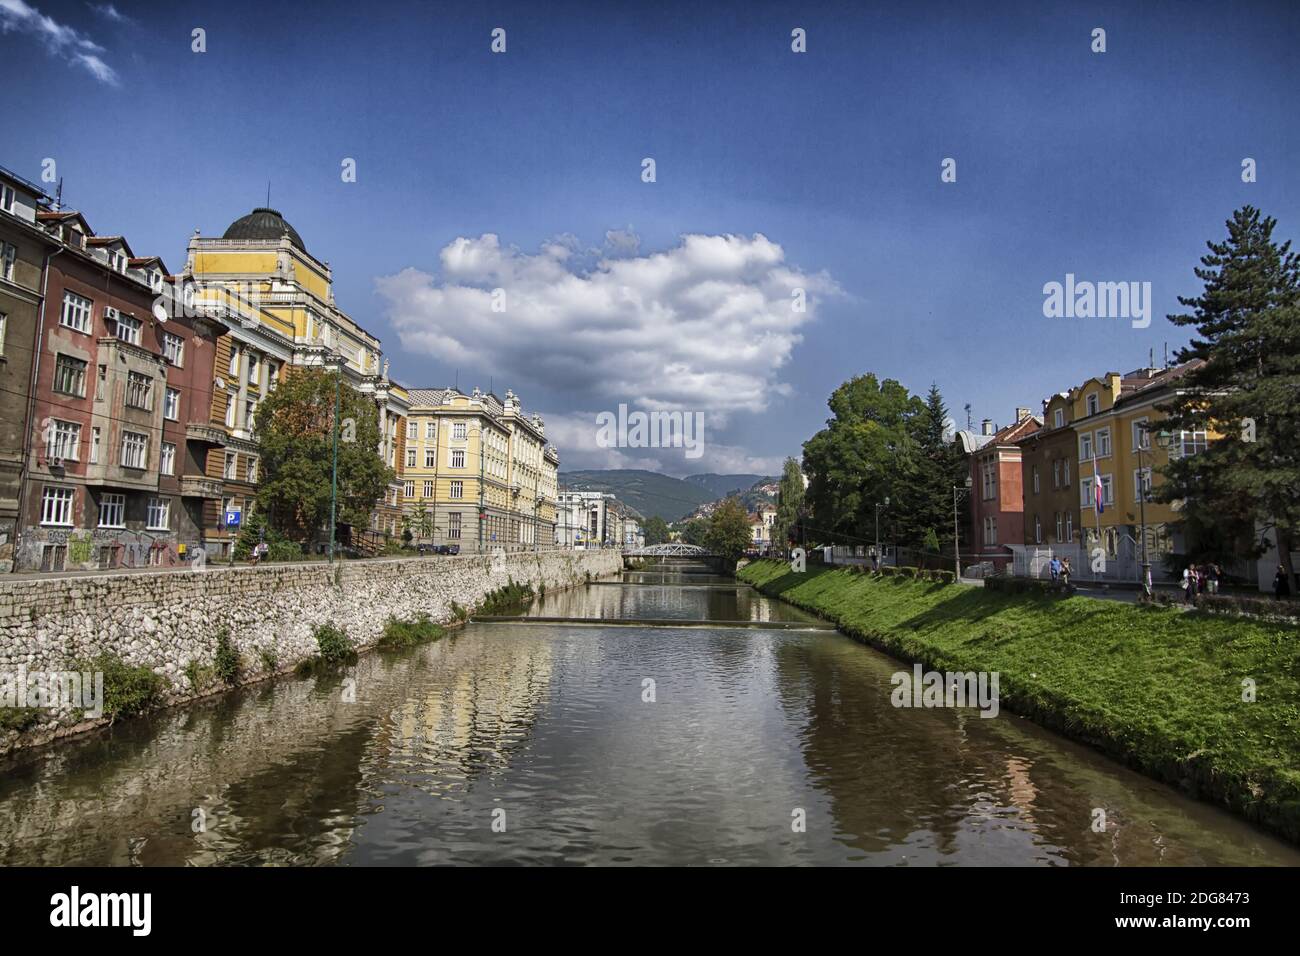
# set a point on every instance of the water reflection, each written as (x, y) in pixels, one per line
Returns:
(549, 725)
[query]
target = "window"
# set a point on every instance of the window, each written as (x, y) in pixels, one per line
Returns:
(7, 264)
(453, 525)
(128, 327)
(409, 489)
(1056, 473)
(1058, 526)
(166, 458)
(94, 445)
(1035, 474)
(428, 489)
(101, 383)
(1085, 446)
(4, 324)
(412, 430)
(990, 530)
(457, 489)
(1141, 437)
(1142, 484)
(56, 506)
(234, 361)
(1065, 468)
(252, 470)
(7, 198)
(1069, 526)
(1103, 443)
(431, 430)
(273, 376)
(1094, 404)
(1192, 442)
(174, 349)
(1058, 419)
(112, 511)
(230, 411)
(76, 312)
(410, 458)
(172, 404)
(63, 440)
(458, 431)
(69, 375)
(139, 391)
(1038, 530)
(250, 416)
(430, 457)
(231, 466)
(135, 450)
(458, 458)
(254, 371)
(160, 514)
(988, 478)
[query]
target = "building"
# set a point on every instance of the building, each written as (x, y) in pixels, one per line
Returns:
(277, 300)
(585, 519)
(996, 499)
(24, 246)
(761, 522)
(1121, 448)
(1049, 472)
(476, 472)
(115, 388)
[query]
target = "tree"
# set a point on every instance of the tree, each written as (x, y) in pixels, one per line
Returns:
(940, 466)
(1248, 389)
(729, 534)
(656, 530)
(296, 434)
(789, 504)
(695, 531)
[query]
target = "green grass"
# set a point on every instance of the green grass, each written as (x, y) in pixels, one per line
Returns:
(1157, 688)
(417, 630)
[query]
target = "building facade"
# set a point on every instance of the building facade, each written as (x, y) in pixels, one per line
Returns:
(1049, 469)
(24, 246)
(997, 504)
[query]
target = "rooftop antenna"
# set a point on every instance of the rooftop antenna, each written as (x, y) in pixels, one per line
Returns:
(1166, 355)
(268, 194)
(58, 196)
(1151, 357)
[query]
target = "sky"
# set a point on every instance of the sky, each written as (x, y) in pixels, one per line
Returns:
(774, 171)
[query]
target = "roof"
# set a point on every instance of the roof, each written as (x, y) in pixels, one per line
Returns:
(49, 215)
(110, 241)
(263, 223)
(1140, 384)
(971, 441)
(26, 184)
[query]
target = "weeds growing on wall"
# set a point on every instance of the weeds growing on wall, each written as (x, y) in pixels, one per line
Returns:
(511, 597)
(127, 690)
(416, 630)
(227, 662)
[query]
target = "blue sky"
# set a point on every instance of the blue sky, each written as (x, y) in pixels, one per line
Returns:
(1115, 166)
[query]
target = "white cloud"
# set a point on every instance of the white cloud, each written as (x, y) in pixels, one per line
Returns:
(706, 325)
(59, 39)
(110, 12)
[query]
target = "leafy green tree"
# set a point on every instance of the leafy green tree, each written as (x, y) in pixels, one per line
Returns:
(790, 499)
(695, 531)
(729, 534)
(1248, 321)
(940, 467)
(254, 530)
(296, 434)
(656, 530)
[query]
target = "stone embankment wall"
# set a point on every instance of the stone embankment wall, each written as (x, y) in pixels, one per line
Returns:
(169, 619)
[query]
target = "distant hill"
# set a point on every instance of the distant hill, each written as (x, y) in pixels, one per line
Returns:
(763, 492)
(652, 494)
(720, 486)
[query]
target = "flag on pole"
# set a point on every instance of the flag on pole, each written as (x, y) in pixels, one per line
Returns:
(1096, 488)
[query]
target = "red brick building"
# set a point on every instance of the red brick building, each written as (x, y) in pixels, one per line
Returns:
(110, 477)
(997, 503)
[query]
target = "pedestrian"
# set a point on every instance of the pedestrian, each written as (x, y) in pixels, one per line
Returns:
(1281, 584)
(1054, 568)
(1187, 584)
(875, 561)
(1065, 573)
(1213, 573)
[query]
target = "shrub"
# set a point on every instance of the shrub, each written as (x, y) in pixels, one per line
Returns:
(199, 675)
(1262, 607)
(1007, 584)
(458, 612)
(227, 662)
(906, 572)
(127, 690)
(270, 661)
(335, 645)
(417, 630)
(511, 597)
(19, 718)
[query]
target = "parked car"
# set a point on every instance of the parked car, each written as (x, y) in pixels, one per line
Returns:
(427, 548)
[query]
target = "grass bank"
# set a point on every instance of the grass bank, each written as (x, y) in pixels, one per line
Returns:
(1159, 689)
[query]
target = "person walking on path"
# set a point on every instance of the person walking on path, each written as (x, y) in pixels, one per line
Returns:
(1065, 574)
(1212, 574)
(1281, 586)
(1189, 583)
(1054, 568)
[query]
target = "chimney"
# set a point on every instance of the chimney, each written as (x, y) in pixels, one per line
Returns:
(1021, 414)
(986, 427)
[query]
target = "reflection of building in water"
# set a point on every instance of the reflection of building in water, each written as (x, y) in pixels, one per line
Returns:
(472, 718)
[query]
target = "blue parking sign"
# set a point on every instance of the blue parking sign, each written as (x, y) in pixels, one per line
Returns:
(232, 519)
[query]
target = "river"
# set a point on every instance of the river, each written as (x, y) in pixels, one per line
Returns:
(590, 743)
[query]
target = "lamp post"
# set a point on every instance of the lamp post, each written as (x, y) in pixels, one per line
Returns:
(878, 507)
(956, 528)
(335, 362)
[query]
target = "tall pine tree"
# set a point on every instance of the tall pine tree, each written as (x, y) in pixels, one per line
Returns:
(1248, 389)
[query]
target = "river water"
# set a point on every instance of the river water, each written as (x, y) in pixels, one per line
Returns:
(577, 743)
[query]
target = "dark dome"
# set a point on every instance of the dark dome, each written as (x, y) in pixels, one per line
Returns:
(263, 223)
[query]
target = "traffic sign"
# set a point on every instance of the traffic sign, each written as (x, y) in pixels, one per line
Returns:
(232, 519)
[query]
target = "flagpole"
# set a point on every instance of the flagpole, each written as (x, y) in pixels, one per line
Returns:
(1096, 506)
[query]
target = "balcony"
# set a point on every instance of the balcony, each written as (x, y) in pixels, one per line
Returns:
(205, 433)
(198, 486)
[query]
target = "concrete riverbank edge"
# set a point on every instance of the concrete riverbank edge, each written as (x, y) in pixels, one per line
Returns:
(168, 621)
(1166, 693)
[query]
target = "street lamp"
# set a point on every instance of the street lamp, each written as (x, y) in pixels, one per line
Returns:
(878, 507)
(956, 528)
